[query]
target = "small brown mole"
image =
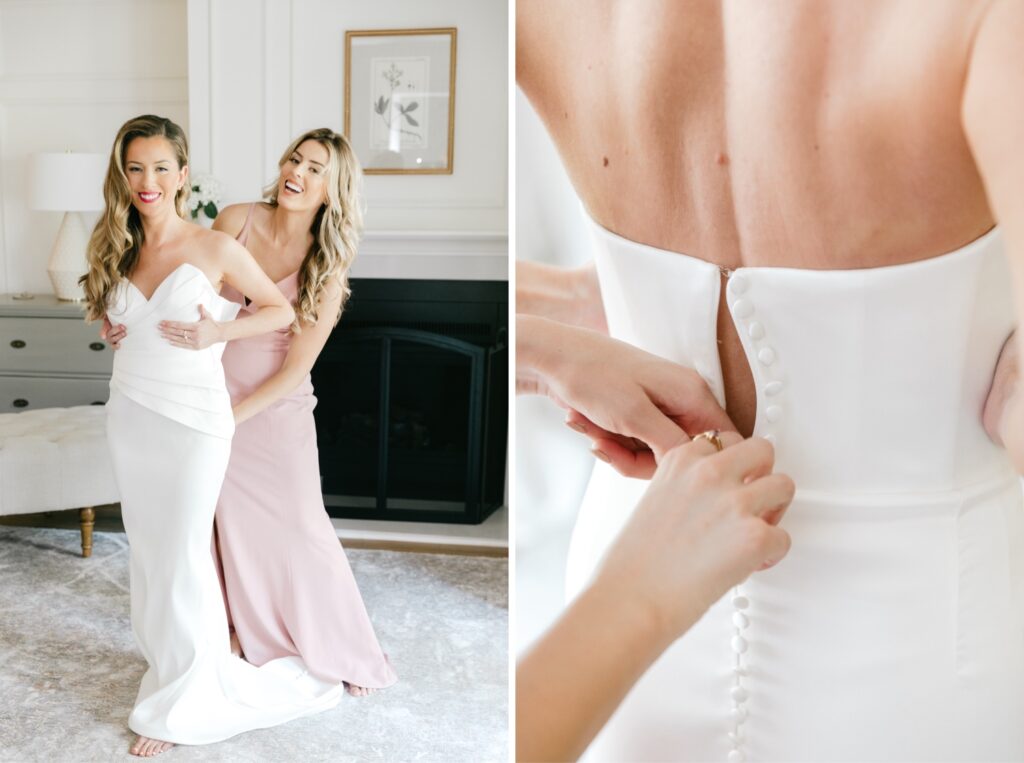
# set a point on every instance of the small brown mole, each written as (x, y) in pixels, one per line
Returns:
(604, 161)
(721, 158)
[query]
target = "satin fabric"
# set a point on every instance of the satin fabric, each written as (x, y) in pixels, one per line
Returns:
(169, 426)
(894, 629)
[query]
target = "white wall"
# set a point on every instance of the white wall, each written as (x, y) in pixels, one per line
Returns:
(71, 73)
(263, 71)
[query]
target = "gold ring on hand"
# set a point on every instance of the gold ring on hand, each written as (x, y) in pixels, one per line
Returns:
(711, 436)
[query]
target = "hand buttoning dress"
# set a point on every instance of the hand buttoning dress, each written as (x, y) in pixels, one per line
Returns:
(289, 587)
(169, 428)
(894, 629)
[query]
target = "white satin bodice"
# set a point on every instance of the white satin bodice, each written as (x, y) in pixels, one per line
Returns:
(829, 352)
(182, 384)
(893, 630)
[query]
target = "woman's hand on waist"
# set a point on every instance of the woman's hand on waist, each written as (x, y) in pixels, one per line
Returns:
(113, 334)
(193, 336)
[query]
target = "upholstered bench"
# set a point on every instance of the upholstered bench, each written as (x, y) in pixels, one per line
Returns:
(54, 459)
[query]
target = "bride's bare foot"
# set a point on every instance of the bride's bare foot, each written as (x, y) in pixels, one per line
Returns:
(358, 691)
(145, 747)
(236, 648)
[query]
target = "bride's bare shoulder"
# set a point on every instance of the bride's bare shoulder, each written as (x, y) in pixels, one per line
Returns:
(215, 251)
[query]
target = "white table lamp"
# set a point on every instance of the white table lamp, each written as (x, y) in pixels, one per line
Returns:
(69, 183)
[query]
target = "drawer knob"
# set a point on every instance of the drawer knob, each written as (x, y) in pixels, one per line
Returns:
(18, 344)
(20, 403)
(97, 346)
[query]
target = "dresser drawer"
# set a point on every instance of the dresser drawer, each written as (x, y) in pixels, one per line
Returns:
(53, 344)
(23, 393)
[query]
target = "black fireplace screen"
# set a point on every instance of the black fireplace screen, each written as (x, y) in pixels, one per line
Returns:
(411, 423)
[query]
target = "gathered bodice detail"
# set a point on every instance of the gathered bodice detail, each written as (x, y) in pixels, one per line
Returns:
(185, 385)
(847, 410)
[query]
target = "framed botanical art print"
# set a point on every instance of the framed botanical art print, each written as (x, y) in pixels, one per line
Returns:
(400, 100)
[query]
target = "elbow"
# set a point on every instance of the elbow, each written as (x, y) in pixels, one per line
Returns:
(287, 315)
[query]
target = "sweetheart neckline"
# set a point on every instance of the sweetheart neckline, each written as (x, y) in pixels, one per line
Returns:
(167, 278)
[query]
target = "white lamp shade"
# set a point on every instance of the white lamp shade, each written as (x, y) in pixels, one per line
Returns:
(67, 182)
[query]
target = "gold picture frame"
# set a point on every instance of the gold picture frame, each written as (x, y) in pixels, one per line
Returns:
(397, 83)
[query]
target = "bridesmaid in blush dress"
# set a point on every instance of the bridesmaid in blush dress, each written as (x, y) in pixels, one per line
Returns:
(288, 586)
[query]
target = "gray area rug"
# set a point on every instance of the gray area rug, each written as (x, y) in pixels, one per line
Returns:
(69, 667)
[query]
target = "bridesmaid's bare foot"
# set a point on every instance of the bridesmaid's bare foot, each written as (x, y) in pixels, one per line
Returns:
(236, 648)
(145, 747)
(358, 691)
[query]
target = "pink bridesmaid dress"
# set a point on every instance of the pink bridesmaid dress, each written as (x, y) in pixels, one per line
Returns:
(288, 585)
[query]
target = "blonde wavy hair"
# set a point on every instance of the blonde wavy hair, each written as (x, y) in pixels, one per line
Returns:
(336, 226)
(115, 242)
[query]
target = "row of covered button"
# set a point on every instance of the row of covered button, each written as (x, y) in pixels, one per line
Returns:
(739, 693)
(742, 306)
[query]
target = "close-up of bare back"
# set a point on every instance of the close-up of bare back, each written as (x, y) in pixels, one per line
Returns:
(817, 135)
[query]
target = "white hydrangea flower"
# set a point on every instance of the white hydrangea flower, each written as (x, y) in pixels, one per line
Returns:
(206, 189)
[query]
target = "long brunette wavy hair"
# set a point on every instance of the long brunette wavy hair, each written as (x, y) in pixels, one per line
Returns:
(336, 226)
(114, 246)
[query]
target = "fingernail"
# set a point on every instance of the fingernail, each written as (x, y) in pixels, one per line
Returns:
(576, 426)
(601, 454)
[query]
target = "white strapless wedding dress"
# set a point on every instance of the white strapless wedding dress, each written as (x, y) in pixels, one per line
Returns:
(894, 630)
(169, 427)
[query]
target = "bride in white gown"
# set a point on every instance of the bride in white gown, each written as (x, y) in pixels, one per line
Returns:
(796, 171)
(169, 428)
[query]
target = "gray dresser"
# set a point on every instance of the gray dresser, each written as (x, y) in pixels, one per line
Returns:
(49, 356)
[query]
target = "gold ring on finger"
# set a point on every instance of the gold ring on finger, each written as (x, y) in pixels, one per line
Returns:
(711, 436)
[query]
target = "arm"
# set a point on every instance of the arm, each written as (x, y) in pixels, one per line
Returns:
(567, 295)
(302, 354)
(240, 270)
(707, 521)
(571, 681)
(993, 120)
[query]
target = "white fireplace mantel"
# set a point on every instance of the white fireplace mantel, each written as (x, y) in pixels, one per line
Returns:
(435, 255)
